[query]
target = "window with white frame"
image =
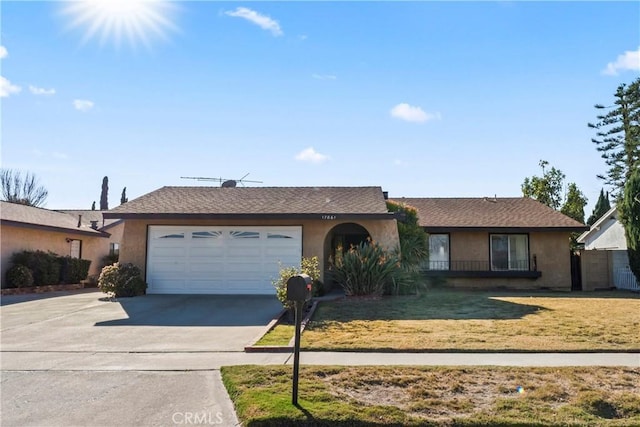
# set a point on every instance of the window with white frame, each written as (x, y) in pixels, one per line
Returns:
(438, 252)
(75, 248)
(509, 252)
(114, 249)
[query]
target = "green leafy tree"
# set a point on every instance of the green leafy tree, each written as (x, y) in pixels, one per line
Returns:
(618, 136)
(104, 194)
(602, 207)
(573, 207)
(123, 196)
(22, 189)
(546, 189)
(414, 241)
(629, 209)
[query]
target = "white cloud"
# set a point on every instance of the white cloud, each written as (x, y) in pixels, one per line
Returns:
(7, 88)
(58, 155)
(41, 91)
(263, 21)
(630, 60)
(324, 76)
(311, 155)
(400, 163)
(82, 105)
(3, 52)
(410, 113)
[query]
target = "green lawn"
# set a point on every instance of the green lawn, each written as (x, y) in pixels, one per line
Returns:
(454, 320)
(408, 396)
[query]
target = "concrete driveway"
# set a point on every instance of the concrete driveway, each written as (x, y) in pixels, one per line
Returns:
(78, 359)
(89, 322)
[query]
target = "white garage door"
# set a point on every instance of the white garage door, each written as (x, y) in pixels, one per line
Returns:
(219, 260)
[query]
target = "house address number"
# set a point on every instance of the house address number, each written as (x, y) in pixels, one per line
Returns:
(328, 217)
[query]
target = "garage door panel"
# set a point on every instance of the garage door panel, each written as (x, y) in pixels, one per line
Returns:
(165, 285)
(281, 252)
(211, 252)
(244, 251)
(171, 251)
(169, 267)
(220, 260)
(216, 268)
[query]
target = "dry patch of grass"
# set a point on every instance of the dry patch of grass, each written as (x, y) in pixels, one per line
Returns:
(479, 321)
(359, 396)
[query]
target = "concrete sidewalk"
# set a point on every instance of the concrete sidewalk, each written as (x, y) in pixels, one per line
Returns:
(199, 361)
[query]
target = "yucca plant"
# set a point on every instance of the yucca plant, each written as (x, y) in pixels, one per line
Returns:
(365, 269)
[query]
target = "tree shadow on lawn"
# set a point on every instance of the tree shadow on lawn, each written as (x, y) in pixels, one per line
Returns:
(196, 310)
(452, 306)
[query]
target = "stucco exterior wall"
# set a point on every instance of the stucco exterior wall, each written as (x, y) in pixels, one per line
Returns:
(134, 242)
(16, 239)
(596, 270)
(551, 250)
(469, 246)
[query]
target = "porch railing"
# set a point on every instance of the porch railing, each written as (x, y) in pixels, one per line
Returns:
(466, 268)
(518, 265)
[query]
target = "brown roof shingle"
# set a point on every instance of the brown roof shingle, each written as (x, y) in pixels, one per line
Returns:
(255, 200)
(488, 213)
(39, 217)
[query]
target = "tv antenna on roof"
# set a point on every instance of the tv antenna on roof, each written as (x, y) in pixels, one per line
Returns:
(225, 182)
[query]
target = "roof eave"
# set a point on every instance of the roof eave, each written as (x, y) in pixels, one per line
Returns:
(252, 216)
(96, 233)
(435, 229)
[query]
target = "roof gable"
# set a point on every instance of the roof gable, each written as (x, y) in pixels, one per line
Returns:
(254, 201)
(602, 222)
(489, 213)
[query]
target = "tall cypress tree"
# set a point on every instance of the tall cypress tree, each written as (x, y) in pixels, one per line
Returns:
(618, 136)
(602, 207)
(123, 196)
(104, 195)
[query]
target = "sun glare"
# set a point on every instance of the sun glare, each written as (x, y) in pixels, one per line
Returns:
(136, 21)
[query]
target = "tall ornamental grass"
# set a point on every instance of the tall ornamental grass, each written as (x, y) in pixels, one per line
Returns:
(366, 269)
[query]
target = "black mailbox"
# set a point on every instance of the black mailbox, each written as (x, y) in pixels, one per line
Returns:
(299, 288)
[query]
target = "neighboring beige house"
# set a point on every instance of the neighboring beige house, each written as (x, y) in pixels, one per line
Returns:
(214, 240)
(604, 260)
(515, 243)
(29, 228)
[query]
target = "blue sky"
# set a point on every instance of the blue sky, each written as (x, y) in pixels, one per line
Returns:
(432, 99)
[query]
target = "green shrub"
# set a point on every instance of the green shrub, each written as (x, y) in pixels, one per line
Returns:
(122, 280)
(367, 269)
(19, 276)
(112, 258)
(73, 270)
(309, 266)
(45, 266)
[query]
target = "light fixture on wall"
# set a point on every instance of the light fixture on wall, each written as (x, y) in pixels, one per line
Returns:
(68, 240)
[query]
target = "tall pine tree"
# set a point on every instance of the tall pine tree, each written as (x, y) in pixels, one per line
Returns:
(618, 136)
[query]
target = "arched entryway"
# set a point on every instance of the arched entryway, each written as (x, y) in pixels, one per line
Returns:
(342, 235)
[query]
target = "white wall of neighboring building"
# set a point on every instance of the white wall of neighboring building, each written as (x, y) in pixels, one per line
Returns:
(606, 234)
